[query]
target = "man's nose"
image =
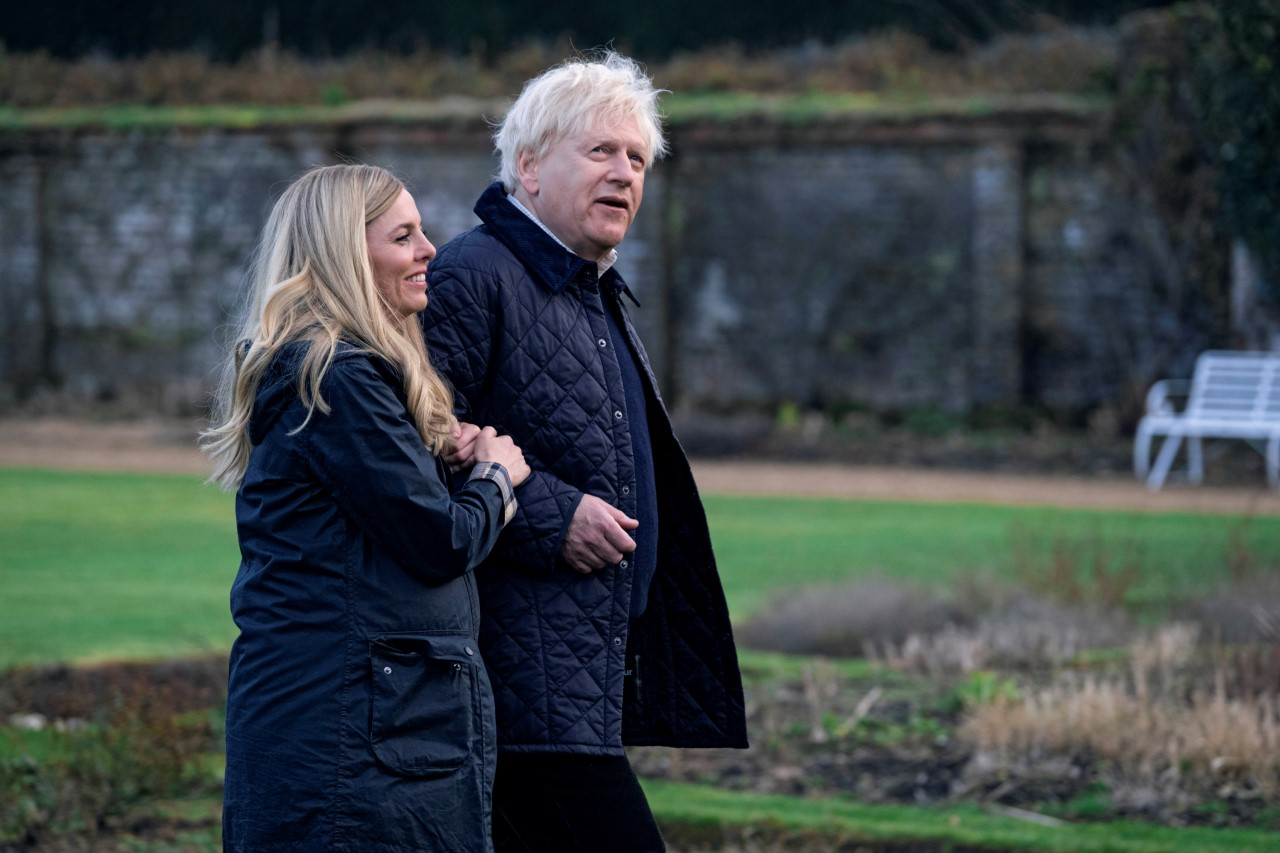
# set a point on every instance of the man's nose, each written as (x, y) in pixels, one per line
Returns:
(620, 168)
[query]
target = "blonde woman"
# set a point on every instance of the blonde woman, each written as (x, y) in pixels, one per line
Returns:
(359, 714)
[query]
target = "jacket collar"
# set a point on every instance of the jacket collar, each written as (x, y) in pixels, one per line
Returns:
(547, 261)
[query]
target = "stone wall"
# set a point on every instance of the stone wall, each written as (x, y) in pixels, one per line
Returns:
(956, 263)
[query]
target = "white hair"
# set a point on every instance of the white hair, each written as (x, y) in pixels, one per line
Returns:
(575, 97)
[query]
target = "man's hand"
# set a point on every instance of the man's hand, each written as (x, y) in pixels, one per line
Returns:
(597, 535)
(461, 453)
(491, 447)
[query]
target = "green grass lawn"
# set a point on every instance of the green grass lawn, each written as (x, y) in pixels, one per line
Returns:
(108, 565)
(711, 815)
(766, 545)
(101, 566)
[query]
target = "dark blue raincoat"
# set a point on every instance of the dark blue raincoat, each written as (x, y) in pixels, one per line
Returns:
(359, 714)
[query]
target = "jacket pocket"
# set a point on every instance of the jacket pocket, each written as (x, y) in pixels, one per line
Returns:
(422, 719)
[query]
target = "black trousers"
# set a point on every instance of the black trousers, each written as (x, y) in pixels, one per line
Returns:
(554, 803)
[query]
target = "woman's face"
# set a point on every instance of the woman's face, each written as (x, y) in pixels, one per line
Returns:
(398, 253)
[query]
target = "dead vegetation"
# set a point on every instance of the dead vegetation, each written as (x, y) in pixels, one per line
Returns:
(1052, 697)
(1055, 703)
(1055, 58)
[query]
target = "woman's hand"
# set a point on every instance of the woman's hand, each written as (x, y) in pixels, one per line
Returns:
(491, 447)
(461, 453)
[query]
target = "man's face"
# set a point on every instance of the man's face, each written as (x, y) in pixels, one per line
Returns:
(587, 187)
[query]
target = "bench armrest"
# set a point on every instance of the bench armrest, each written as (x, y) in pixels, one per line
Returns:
(1158, 398)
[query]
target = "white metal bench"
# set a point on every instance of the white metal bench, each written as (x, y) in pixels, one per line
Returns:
(1230, 395)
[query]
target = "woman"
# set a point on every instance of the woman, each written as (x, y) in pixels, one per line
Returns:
(359, 714)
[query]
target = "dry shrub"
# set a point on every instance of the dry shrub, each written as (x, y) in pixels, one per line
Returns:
(267, 77)
(887, 62)
(846, 620)
(110, 735)
(1023, 634)
(891, 62)
(1063, 59)
(727, 68)
(1246, 611)
(85, 692)
(907, 627)
(30, 79)
(1147, 730)
(87, 774)
(1249, 671)
(1076, 570)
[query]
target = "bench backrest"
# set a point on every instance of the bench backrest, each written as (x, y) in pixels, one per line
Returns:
(1237, 386)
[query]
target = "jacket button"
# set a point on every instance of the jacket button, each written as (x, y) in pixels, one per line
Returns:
(617, 641)
(603, 343)
(617, 416)
(467, 649)
(386, 670)
(626, 490)
(622, 565)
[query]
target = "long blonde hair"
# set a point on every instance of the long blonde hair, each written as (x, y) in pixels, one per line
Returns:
(311, 281)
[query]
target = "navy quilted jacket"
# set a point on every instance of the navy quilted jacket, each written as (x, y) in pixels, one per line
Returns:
(517, 323)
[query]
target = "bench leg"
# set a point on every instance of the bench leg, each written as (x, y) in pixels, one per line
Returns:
(1164, 461)
(1142, 452)
(1195, 459)
(1273, 461)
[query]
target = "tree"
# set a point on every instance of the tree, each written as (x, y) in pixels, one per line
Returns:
(1239, 90)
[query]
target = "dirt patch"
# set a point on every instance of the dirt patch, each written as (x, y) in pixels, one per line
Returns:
(170, 446)
(144, 445)
(83, 693)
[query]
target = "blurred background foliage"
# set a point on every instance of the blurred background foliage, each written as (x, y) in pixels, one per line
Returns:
(1238, 89)
(288, 52)
(228, 30)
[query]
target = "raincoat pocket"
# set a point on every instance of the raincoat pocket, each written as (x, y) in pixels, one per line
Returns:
(424, 708)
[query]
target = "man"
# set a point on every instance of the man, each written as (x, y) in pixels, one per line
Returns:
(603, 618)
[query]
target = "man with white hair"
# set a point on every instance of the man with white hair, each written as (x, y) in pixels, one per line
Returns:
(603, 620)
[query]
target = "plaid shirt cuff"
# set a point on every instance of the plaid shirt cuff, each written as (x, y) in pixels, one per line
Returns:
(498, 474)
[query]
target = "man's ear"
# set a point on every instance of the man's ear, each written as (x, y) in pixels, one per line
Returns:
(527, 172)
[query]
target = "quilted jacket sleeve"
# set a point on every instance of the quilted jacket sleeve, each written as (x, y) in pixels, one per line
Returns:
(466, 332)
(370, 455)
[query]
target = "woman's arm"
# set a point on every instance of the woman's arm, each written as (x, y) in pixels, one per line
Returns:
(369, 454)
(463, 325)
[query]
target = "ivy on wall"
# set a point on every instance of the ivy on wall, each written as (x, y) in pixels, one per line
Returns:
(1238, 77)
